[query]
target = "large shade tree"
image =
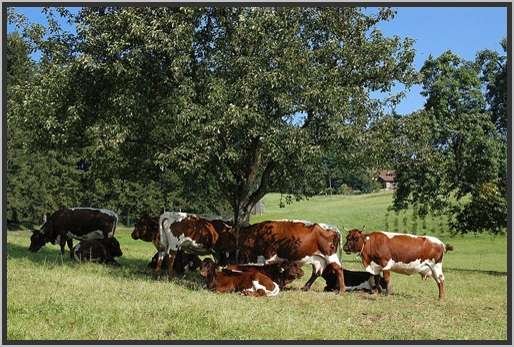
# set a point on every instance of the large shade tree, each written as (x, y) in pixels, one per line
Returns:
(234, 102)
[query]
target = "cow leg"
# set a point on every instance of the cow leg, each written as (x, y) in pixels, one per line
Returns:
(69, 242)
(157, 270)
(437, 274)
(387, 279)
(311, 280)
(171, 260)
(340, 280)
(62, 243)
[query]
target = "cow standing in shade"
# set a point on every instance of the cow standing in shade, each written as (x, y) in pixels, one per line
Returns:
(294, 241)
(81, 223)
(188, 233)
(402, 253)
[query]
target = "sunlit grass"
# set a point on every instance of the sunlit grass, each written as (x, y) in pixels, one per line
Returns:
(50, 297)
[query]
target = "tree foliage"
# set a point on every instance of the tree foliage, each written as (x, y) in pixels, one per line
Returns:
(213, 97)
(451, 156)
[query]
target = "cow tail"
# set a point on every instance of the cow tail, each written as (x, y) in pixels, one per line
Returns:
(339, 248)
(448, 247)
(275, 291)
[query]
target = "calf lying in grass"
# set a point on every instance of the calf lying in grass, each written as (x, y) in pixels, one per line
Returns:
(251, 283)
(183, 262)
(353, 280)
(102, 251)
(280, 273)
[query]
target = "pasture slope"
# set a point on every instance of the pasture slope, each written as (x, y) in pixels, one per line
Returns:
(50, 297)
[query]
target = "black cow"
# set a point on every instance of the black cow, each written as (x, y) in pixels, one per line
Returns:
(81, 223)
(102, 251)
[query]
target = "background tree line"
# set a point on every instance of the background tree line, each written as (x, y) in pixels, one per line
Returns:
(208, 109)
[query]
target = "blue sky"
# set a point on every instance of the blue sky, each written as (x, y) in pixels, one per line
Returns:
(464, 30)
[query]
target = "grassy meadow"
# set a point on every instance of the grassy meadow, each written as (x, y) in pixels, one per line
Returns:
(50, 297)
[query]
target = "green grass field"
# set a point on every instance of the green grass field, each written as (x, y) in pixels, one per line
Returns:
(50, 297)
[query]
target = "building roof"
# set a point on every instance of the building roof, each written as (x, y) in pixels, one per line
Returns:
(387, 175)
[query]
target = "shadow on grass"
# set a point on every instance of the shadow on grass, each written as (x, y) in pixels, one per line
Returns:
(131, 268)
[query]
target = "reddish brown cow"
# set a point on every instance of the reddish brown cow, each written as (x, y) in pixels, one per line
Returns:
(305, 242)
(147, 229)
(402, 253)
(252, 283)
(281, 273)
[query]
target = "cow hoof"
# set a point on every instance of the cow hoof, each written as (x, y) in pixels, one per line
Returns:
(306, 288)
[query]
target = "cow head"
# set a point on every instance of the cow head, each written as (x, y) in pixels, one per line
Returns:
(330, 275)
(354, 241)
(291, 271)
(37, 240)
(207, 268)
(146, 228)
(225, 248)
(113, 247)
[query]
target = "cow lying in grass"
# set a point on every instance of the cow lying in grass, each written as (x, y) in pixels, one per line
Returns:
(251, 283)
(353, 280)
(101, 251)
(281, 273)
(183, 262)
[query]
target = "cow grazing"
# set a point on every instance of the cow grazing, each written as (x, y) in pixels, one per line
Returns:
(251, 283)
(102, 251)
(294, 241)
(281, 273)
(353, 280)
(81, 223)
(183, 262)
(188, 233)
(402, 253)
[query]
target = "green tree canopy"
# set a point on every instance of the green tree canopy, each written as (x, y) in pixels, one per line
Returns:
(234, 102)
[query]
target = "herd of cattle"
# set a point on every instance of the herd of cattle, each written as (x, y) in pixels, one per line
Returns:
(257, 260)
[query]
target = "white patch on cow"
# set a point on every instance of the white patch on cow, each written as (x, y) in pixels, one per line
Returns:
(437, 272)
(363, 285)
(261, 260)
(333, 259)
(93, 235)
(273, 260)
(186, 268)
(75, 251)
(318, 261)
(58, 239)
(374, 268)
(227, 254)
(110, 234)
(423, 267)
(256, 286)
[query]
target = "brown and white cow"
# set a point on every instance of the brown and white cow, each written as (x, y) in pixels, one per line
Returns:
(281, 273)
(353, 280)
(294, 241)
(188, 233)
(251, 283)
(402, 253)
(81, 223)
